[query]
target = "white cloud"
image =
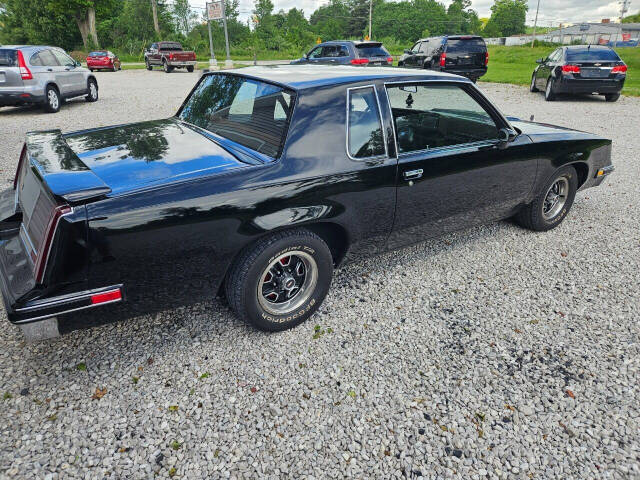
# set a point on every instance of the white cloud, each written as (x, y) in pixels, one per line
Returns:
(552, 12)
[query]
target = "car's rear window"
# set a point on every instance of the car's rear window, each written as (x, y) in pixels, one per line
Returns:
(252, 113)
(471, 45)
(98, 54)
(369, 50)
(8, 58)
(596, 54)
(170, 46)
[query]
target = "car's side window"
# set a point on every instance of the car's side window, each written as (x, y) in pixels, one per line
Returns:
(315, 53)
(365, 138)
(344, 51)
(415, 47)
(64, 59)
(437, 115)
(424, 47)
(47, 59)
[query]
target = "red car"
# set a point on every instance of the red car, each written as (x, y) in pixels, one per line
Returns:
(103, 60)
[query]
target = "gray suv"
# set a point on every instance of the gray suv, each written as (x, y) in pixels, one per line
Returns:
(42, 75)
(347, 52)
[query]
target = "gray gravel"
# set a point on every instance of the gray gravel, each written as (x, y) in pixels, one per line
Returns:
(494, 352)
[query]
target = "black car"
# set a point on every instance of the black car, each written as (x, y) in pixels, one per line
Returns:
(465, 55)
(265, 180)
(580, 69)
(347, 52)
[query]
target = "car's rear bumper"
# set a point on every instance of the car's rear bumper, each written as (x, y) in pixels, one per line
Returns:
(24, 300)
(179, 63)
(466, 72)
(100, 66)
(19, 97)
(595, 85)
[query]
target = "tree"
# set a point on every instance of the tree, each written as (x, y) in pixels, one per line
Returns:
(184, 16)
(632, 18)
(154, 10)
(84, 13)
(507, 18)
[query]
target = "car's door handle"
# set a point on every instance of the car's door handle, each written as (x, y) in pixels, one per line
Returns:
(49, 69)
(413, 174)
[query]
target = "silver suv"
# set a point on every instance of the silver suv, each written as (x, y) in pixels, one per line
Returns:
(42, 75)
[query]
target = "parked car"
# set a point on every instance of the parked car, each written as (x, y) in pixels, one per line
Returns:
(44, 76)
(465, 55)
(347, 52)
(169, 55)
(233, 194)
(103, 60)
(580, 69)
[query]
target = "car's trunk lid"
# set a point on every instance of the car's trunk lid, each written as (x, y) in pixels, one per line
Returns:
(466, 53)
(9, 71)
(132, 156)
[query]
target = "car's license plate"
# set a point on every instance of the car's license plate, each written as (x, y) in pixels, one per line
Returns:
(464, 61)
(595, 72)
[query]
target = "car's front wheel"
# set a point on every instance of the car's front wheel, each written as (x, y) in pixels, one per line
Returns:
(92, 86)
(281, 280)
(147, 65)
(553, 202)
(52, 99)
(190, 69)
(532, 87)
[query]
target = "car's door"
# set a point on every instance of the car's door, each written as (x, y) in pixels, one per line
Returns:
(44, 66)
(422, 55)
(315, 55)
(452, 170)
(69, 77)
(546, 67)
(411, 60)
(154, 54)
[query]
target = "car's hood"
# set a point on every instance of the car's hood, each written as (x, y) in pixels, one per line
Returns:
(127, 157)
(545, 131)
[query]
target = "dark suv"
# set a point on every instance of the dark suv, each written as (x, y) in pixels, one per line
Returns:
(464, 55)
(347, 52)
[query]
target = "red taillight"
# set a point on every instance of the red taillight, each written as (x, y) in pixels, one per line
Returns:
(23, 155)
(566, 69)
(619, 69)
(486, 59)
(389, 60)
(171, 56)
(443, 59)
(112, 296)
(45, 247)
(359, 61)
(25, 73)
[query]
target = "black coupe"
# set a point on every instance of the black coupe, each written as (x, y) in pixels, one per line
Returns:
(266, 180)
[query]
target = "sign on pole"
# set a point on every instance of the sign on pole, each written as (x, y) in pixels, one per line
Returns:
(215, 11)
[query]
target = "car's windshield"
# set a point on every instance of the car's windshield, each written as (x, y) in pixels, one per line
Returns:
(595, 55)
(471, 45)
(252, 113)
(368, 50)
(8, 58)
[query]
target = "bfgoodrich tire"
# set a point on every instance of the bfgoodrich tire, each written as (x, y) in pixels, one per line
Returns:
(280, 281)
(553, 202)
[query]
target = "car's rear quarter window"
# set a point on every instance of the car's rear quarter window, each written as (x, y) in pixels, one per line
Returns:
(8, 58)
(249, 112)
(471, 45)
(370, 50)
(595, 54)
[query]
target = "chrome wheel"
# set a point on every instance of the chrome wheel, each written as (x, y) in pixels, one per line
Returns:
(93, 90)
(54, 101)
(555, 198)
(287, 283)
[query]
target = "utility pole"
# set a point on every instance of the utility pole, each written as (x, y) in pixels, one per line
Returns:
(624, 8)
(228, 62)
(370, 15)
(535, 24)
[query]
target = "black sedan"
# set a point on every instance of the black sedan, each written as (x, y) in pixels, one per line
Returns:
(266, 180)
(580, 69)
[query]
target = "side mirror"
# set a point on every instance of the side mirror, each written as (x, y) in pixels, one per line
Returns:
(540, 60)
(408, 52)
(78, 64)
(506, 136)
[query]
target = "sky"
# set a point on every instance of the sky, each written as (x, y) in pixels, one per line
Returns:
(552, 12)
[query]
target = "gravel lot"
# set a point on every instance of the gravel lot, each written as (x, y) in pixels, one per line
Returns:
(493, 352)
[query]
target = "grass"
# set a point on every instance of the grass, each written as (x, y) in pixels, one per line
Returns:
(515, 65)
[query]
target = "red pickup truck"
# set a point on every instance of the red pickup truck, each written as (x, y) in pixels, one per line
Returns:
(169, 55)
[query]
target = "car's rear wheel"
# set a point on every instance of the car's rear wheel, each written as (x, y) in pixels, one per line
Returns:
(550, 91)
(532, 87)
(166, 67)
(280, 281)
(553, 202)
(190, 69)
(612, 97)
(52, 99)
(92, 86)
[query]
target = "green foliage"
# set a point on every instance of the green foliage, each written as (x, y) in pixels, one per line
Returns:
(507, 18)
(632, 18)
